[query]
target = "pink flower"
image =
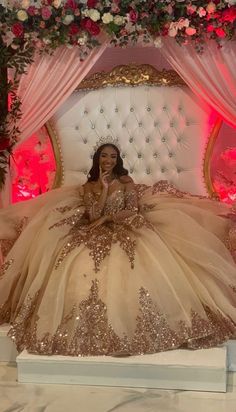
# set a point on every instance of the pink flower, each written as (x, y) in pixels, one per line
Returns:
(133, 16)
(201, 12)
(46, 13)
(31, 10)
(17, 29)
(220, 32)
(190, 31)
(211, 8)
(191, 9)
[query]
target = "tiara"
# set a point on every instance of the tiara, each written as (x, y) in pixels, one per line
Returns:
(107, 140)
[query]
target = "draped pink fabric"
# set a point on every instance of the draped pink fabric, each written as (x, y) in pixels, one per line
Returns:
(49, 81)
(210, 75)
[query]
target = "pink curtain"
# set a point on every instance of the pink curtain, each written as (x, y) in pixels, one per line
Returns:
(49, 81)
(211, 75)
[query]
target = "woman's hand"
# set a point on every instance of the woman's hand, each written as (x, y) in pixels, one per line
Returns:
(103, 178)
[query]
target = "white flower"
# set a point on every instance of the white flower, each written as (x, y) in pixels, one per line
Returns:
(82, 40)
(22, 15)
(231, 2)
(158, 42)
(107, 18)
(93, 14)
(119, 20)
(173, 29)
(46, 41)
(68, 19)
(56, 3)
(25, 4)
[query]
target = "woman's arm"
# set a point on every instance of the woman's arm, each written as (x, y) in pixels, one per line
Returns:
(94, 207)
(131, 202)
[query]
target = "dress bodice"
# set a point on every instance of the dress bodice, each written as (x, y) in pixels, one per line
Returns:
(115, 202)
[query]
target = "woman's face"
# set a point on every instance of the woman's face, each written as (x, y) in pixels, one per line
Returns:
(108, 159)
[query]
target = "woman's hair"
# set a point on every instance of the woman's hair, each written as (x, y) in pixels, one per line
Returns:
(118, 170)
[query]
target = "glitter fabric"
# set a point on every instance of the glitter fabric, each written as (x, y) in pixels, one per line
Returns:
(86, 330)
(151, 274)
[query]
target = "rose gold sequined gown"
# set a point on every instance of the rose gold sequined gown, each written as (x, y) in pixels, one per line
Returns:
(159, 280)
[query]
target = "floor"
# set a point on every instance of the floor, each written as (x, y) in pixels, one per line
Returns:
(16, 397)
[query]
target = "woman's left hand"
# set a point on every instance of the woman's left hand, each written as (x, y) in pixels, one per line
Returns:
(97, 222)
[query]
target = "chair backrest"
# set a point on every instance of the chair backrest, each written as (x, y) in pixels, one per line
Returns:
(162, 128)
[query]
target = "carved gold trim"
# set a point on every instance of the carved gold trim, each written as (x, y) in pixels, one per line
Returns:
(132, 75)
(59, 175)
(207, 158)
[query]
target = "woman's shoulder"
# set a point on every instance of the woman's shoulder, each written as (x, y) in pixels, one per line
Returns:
(126, 179)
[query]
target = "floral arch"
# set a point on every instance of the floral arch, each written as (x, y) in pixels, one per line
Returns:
(58, 41)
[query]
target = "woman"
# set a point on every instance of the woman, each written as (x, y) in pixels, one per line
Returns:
(113, 268)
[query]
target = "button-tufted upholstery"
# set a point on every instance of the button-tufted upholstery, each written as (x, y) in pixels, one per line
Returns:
(163, 133)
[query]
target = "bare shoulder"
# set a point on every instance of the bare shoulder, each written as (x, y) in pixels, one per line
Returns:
(126, 179)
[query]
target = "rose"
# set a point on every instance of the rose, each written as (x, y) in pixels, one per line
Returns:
(22, 15)
(91, 3)
(94, 14)
(17, 29)
(25, 4)
(107, 18)
(191, 9)
(92, 27)
(115, 8)
(71, 4)
(158, 42)
(68, 19)
(31, 10)
(211, 8)
(133, 16)
(173, 29)
(119, 20)
(46, 13)
(74, 29)
(201, 12)
(182, 23)
(220, 32)
(190, 31)
(210, 28)
(229, 15)
(4, 143)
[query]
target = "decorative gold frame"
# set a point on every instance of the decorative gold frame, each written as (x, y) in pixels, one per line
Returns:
(134, 75)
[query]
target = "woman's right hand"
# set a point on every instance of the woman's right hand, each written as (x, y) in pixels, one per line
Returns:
(103, 178)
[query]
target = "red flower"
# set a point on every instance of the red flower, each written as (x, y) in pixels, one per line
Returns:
(229, 15)
(210, 28)
(91, 3)
(133, 16)
(71, 4)
(89, 25)
(17, 29)
(220, 32)
(4, 143)
(31, 10)
(74, 29)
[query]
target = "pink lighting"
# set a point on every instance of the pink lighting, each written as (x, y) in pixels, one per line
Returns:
(33, 167)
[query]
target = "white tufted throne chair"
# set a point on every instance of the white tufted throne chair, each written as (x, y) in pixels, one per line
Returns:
(164, 131)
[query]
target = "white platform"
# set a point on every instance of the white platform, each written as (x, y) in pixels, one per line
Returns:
(202, 370)
(8, 352)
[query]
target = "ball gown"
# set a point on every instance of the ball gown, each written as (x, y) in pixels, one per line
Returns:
(162, 278)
